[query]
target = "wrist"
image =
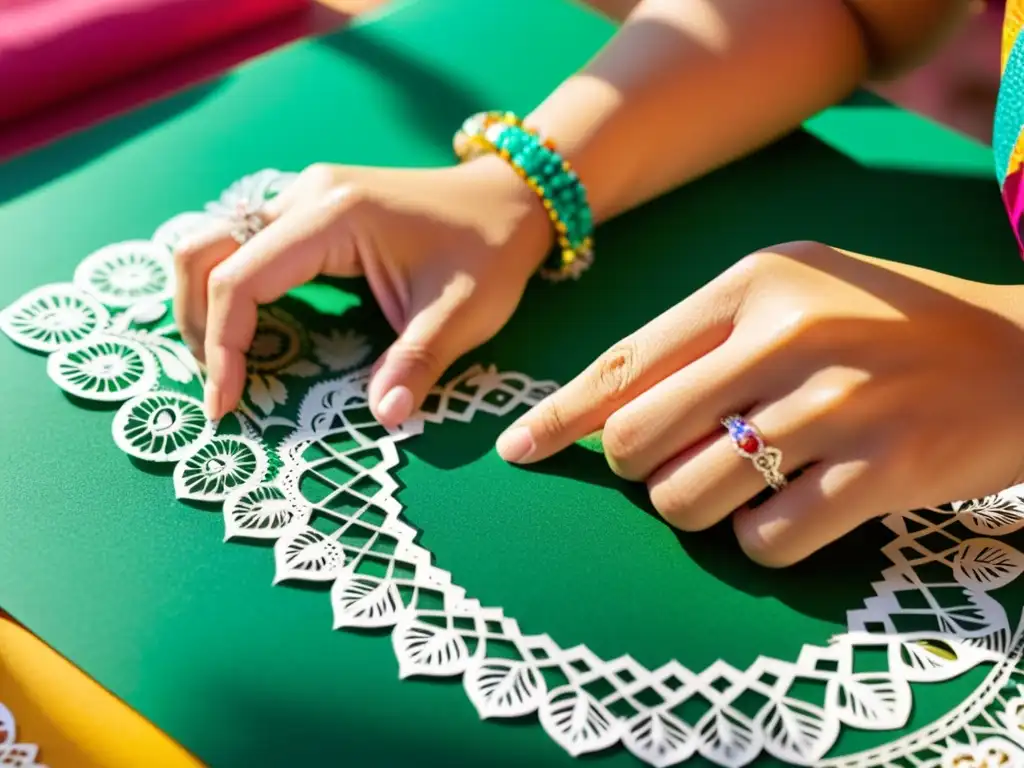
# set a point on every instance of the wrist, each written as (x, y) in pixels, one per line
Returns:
(518, 221)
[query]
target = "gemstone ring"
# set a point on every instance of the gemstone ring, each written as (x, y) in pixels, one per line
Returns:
(750, 444)
(247, 223)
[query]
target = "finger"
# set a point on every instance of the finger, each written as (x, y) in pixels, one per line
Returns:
(687, 406)
(825, 503)
(194, 259)
(289, 252)
(672, 340)
(706, 482)
(432, 340)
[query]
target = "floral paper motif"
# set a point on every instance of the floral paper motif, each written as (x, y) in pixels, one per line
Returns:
(303, 465)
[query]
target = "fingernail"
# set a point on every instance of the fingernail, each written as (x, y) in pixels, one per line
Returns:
(211, 401)
(516, 445)
(396, 406)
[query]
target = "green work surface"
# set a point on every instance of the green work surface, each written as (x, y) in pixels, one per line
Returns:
(138, 589)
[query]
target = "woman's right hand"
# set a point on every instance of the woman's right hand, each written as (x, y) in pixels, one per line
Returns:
(447, 253)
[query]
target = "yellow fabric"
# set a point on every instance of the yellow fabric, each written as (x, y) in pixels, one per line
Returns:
(1013, 22)
(75, 722)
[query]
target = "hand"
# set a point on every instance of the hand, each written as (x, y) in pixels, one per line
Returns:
(891, 387)
(447, 253)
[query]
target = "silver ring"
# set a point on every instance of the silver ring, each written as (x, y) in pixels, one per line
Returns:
(749, 443)
(246, 224)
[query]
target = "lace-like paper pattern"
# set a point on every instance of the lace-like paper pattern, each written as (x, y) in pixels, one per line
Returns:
(325, 494)
(11, 752)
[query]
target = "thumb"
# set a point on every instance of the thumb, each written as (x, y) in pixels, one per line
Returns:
(415, 362)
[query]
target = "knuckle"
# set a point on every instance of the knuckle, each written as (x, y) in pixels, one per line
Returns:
(617, 369)
(826, 400)
(621, 441)
(317, 176)
(551, 418)
(185, 254)
(222, 284)
(759, 550)
(419, 357)
(798, 325)
(675, 508)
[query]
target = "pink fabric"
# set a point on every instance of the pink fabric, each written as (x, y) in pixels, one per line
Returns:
(52, 49)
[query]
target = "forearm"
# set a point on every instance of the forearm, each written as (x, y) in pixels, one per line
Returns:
(688, 85)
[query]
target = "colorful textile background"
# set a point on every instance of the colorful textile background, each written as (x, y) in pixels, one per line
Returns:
(1007, 145)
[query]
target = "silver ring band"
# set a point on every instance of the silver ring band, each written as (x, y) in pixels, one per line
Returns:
(246, 225)
(750, 444)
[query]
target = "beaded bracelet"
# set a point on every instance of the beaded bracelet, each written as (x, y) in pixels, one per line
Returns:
(548, 174)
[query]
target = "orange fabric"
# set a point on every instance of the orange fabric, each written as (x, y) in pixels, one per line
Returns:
(74, 722)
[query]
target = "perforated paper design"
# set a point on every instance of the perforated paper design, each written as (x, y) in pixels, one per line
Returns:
(303, 464)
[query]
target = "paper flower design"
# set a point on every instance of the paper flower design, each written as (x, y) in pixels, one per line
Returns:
(127, 273)
(53, 316)
(340, 350)
(279, 349)
(246, 196)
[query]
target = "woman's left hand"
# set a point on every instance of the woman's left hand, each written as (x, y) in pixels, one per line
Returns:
(891, 387)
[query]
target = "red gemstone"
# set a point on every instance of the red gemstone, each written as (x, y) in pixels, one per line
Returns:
(749, 444)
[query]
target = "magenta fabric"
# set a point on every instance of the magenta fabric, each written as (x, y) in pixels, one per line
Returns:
(52, 49)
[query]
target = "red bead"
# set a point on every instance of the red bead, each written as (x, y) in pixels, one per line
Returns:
(749, 444)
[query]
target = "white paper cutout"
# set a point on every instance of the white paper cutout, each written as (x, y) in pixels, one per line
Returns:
(53, 316)
(161, 426)
(123, 274)
(220, 466)
(326, 496)
(11, 752)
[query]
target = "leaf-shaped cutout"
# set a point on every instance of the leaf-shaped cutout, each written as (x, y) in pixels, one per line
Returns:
(171, 364)
(365, 601)
(727, 737)
(871, 701)
(504, 688)
(146, 312)
(259, 393)
(425, 649)
(306, 554)
(579, 722)
(986, 564)
(659, 738)
(222, 465)
(995, 515)
(261, 513)
(796, 731)
(931, 660)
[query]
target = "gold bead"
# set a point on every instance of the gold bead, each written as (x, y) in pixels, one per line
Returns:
(565, 166)
(548, 204)
(540, 190)
(568, 257)
(561, 227)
